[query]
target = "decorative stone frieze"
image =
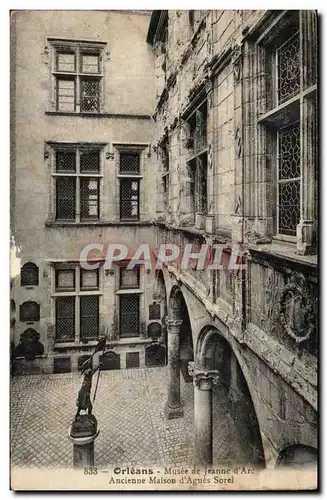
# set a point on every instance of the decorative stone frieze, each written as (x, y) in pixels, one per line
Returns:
(297, 313)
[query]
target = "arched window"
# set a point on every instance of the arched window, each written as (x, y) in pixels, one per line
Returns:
(29, 274)
(29, 311)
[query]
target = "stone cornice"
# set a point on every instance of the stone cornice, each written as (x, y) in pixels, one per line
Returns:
(283, 260)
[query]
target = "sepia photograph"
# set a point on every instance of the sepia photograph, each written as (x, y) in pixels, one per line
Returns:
(164, 323)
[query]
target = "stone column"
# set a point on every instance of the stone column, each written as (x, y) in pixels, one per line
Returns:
(83, 432)
(203, 383)
(173, 406)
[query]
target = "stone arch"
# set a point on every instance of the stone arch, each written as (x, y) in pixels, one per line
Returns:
(180, 351)
(214, 352)
(157, 324)
(298, 456)
(178, 310)
(174, 303)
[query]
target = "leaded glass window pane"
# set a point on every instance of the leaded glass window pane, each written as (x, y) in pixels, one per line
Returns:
(65, 319)
(129, 278)
(129, 315)
(90, 161)
(66, 95)
(289, 153)
(65, 198)
(129, 199)
(289, 173)
(66, 62)
(89, 279)
(288, 69)
(89, 95)
(129, 163)
(65, 161)
(289, 207)
(89, 321)
(65, 279)
(90, 63)
(89, 198)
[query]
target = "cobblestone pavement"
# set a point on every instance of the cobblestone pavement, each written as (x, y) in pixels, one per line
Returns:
(130, 411)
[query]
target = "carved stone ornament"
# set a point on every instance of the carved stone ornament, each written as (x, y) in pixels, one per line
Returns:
(238, 139)
(173, 325)
(237, 64)
(203, 379)
(109, 272)
(46, 55)
(208, 87)
(297, 313)
(110, 156)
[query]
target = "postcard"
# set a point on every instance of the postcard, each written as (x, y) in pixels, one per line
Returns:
(163, 286)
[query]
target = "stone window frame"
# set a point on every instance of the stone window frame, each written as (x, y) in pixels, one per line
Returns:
(51, 148)
(127, 147)
(78, 48)
(197, 156)
(77, 292)
(300, 108)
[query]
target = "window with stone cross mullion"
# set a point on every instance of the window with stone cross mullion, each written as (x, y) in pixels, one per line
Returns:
(76, 310)
(197, 164)
(129, 184)
(77, 181)
(284, 88)
(77, 82)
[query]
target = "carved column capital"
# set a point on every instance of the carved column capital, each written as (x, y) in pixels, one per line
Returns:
(203, 379)
(173, 325)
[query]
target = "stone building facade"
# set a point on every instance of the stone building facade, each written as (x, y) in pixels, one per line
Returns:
(82, 168)
(217, 110)
(236, 142)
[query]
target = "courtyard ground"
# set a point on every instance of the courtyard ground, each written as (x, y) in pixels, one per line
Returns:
(129, 407)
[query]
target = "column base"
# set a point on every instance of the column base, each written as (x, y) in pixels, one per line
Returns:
(173, 412)
(82, 433)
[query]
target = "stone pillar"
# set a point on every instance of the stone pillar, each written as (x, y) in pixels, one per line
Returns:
(203, 383)
(173, 406)
(83, 432)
